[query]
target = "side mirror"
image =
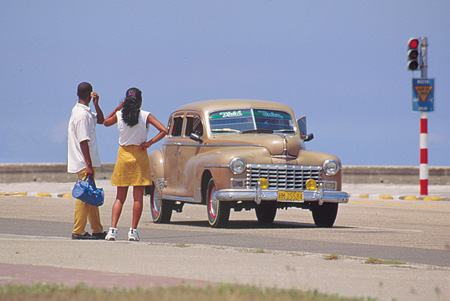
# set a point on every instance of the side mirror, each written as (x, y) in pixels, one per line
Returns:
(195, 137)
(301, 123)
(309, 137)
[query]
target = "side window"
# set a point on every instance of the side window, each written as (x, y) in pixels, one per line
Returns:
(177, 126)
(194, 125)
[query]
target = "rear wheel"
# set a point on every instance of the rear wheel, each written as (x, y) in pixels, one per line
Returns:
(266, 211)
(161, 209)
(325, 215)
(218, 211)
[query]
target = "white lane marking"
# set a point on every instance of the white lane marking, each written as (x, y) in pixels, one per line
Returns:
(7, 236)
(390, 229)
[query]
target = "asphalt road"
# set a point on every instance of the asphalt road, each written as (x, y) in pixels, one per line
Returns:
(414, 232)
(408, 231)
(393, 235)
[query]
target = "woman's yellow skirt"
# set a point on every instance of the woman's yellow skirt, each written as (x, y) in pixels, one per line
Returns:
(132, 167)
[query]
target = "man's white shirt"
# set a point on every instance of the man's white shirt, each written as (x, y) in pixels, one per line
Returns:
(81, 127)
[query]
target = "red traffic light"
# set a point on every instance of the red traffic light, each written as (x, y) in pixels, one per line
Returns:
(413, 43)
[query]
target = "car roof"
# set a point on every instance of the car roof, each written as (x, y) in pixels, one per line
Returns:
(224, 104)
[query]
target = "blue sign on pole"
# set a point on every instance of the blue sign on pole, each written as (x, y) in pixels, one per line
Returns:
(423, 94)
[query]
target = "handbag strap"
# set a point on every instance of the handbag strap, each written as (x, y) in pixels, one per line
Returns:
(88, 179)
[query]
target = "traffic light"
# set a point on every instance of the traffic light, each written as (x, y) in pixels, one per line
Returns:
(413, 54)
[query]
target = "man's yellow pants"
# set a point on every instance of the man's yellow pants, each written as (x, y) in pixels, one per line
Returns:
(84, 211)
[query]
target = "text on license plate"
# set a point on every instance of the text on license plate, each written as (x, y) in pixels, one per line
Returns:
(293, 196)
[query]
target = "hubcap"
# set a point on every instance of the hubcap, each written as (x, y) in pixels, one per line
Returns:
(213, 203)
(156, 202)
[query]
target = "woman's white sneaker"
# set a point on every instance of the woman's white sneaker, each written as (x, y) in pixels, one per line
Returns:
(133, 235)
(112, 234)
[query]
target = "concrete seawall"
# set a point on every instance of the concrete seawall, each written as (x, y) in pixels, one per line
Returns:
(57, 172)
(394, 175)
(46, 172)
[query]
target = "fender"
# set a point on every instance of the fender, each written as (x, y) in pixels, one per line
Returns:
(156, 164)
(306, 157)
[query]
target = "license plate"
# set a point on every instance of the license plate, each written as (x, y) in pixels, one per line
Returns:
(292, 196)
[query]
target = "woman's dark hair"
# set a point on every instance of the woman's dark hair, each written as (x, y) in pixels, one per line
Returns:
(131, 106)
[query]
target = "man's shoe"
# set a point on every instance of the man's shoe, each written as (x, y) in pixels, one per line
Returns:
(100, 235)
(112, 234)
(133, 235)
(84, 235)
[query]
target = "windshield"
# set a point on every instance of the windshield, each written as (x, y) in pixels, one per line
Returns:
(251, 120)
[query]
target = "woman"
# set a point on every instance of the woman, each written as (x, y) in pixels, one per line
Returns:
(132, 167)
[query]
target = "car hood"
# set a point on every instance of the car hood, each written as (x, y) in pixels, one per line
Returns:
(277, 144)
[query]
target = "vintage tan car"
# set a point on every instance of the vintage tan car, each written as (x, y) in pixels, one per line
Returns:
(242, 154)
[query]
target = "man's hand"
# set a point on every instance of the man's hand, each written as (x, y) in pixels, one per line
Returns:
(95, 97)
(89, 172)
(100, 117)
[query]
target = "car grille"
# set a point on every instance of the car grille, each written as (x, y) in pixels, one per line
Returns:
(282, 176)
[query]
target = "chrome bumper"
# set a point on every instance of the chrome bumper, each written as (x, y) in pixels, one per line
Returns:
(258, 195)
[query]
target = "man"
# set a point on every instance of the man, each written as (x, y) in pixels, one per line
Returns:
(83, 158)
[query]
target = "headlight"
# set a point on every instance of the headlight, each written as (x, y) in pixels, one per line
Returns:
(237, 166)
(330, 167)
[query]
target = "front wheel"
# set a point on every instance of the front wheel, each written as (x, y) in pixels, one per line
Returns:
(218, 211)
(161, 209)
(325, 215)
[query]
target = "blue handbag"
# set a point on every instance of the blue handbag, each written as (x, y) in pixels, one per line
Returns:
(86, 191)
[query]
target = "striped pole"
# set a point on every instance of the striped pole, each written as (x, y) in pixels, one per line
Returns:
(423, 170)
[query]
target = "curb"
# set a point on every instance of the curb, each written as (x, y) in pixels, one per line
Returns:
(37, 194)
(399, 197)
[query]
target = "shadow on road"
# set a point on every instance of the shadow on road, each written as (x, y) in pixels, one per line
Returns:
(248, 224)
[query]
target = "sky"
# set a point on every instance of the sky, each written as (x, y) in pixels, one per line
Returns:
(340, 63)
